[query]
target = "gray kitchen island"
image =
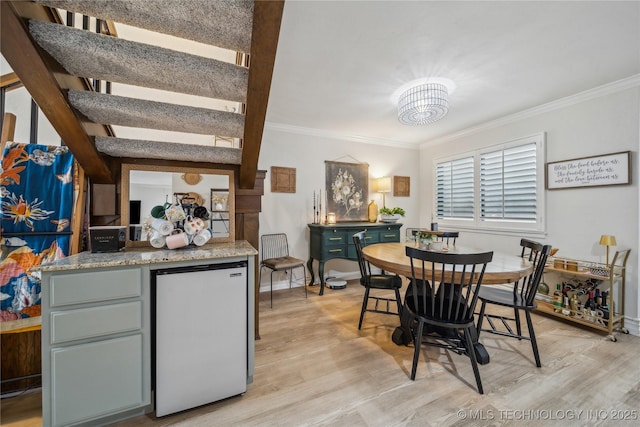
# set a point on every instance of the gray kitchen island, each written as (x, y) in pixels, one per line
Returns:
(99, 323)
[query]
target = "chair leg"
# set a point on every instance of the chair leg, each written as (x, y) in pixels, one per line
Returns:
(399, 302)
(516, 315)
(365, 300)
(416, 350)
(481, 317)
(272, 288)
(532, 336)
(474, 362)
(304, 280)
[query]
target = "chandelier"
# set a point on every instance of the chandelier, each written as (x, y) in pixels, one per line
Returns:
(423, 104)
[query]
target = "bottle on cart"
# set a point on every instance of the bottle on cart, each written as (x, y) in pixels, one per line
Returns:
(574, 303)
(566, 308)
(591, 302)
(557, 299)
(598, 298)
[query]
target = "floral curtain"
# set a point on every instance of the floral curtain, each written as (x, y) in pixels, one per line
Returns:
(36, 189)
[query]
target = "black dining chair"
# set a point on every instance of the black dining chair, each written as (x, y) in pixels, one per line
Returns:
(381, 281)
(447, 237)
(442, 302)
(520, 298)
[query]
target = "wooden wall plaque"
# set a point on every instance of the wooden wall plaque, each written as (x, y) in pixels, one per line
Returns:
(283, 180)
(401, 186)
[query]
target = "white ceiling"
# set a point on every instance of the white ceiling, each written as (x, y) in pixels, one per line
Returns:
(339, 62)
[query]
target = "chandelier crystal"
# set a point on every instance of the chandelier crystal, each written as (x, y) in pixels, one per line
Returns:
(423, 104)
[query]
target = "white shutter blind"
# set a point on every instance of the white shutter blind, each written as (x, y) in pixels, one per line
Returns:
(454, 188)
(508, 184)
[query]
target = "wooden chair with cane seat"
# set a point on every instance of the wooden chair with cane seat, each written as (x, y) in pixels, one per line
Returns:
(275, 256)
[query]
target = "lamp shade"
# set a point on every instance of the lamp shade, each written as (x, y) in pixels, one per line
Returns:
(608, 240)
(383, 184)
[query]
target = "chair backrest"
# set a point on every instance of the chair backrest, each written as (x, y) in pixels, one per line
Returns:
(537, 254)
(411, 232)
(449, 237)
(360, 241)
(274, 246)
(446, 284)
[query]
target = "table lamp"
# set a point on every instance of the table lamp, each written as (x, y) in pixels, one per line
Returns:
(608, 240)
(383, 186)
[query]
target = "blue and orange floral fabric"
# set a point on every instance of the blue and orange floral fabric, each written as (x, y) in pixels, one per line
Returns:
(36, 189)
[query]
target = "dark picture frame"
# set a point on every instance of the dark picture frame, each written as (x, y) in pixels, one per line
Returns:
(347, 190)
(594, 171)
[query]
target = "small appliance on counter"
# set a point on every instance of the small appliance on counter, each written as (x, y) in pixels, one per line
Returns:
(107, 238)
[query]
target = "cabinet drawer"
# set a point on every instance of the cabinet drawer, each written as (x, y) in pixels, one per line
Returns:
(84, 323)
(334, 237)
(389, 235)
(85, 287)
(334, 251)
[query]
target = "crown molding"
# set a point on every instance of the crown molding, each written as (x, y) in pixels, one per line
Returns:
(280, 127)
(597, 92)
(587, 95)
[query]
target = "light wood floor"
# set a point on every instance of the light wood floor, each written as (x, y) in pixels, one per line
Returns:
(313, 367)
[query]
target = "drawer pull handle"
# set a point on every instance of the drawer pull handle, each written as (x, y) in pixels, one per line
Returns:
(335, 238)
(335, 250)
(389, 235)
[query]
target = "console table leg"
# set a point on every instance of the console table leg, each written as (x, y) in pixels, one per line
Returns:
(310, 268)
(321, 276)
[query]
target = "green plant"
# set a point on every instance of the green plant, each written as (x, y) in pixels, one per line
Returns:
(392, 211)
(426, 237)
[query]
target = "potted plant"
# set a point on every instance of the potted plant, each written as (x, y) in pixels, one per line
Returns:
(425, 238)
(391, 214)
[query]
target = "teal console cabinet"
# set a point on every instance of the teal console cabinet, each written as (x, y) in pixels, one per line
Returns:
(335, 241)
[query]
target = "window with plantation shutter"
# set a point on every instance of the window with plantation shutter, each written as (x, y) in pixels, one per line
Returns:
(498, 188)
(508, 184)
(454, 188)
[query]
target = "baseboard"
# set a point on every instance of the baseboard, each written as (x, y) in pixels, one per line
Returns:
(632, 325)
(298, 282)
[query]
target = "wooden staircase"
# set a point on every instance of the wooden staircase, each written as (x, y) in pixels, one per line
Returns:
(56, 64)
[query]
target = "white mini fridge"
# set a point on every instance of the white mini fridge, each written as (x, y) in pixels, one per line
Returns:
(200, 335)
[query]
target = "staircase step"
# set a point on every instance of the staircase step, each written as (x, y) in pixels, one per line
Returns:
(226, 24)
(119, 110)
(140, 149)
(87, 54)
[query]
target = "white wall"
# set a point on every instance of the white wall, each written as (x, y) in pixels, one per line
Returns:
(290, 213)
(575, 217)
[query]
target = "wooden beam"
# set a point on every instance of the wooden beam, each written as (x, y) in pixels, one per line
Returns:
(77, 218)
(10, 79)
(46, 81)
(8, 130)
(267, 16)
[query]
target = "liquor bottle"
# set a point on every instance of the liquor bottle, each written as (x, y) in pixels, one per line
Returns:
(591, 303)
(557, 299)
(566, 309)
(604, 296)
(598, 298)
(574, 302)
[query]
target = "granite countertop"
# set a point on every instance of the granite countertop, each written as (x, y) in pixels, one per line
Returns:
(139, 256)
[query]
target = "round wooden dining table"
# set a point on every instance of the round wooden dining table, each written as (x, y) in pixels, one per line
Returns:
(502, 269)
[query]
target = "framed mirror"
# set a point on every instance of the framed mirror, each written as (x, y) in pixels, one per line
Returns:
(145, 187)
